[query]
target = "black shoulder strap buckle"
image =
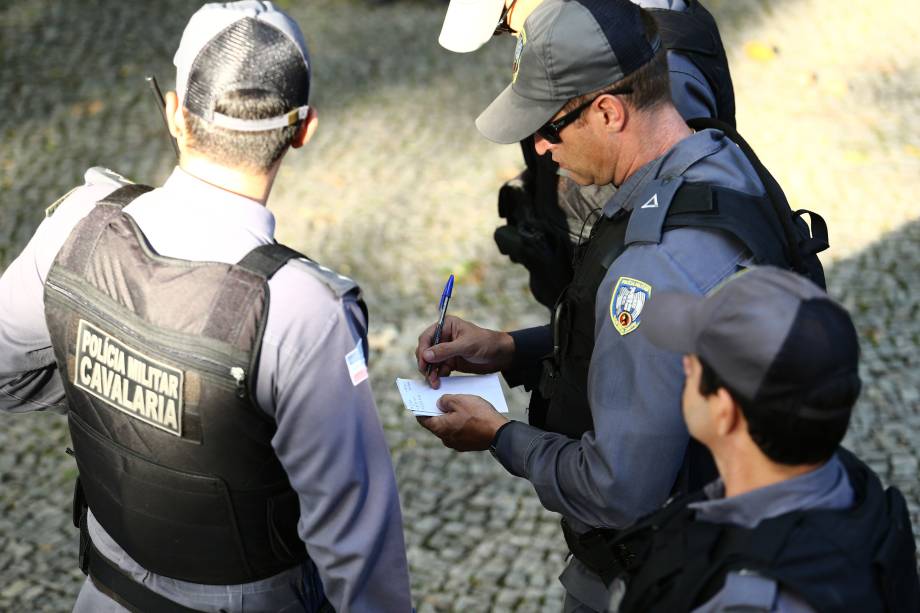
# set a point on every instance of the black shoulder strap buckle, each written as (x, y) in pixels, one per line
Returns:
(266, 260)
(818, 240)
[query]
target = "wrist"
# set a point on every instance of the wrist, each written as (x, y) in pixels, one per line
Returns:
(505, 350)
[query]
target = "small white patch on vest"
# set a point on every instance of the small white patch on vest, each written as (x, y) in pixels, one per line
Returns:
(652, 202)
(357, 365)
(128, 380)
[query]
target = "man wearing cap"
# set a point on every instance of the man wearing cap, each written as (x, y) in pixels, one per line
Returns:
(690, 210)
(795, 523)
(229, 451)
(548, 216)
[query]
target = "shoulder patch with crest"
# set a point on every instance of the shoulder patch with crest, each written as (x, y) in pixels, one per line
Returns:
(626, 303)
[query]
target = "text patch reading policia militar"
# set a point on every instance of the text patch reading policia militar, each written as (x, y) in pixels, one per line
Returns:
(128, 380)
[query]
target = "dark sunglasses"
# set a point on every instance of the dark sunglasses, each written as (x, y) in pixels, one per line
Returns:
(550, 132)
(503, 26)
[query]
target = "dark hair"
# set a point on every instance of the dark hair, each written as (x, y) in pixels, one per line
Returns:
(650, 83)
(779, 429)
(256, 151)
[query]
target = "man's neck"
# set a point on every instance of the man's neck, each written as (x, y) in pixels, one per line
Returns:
(254, 186)
(745, 470)
(655, 132)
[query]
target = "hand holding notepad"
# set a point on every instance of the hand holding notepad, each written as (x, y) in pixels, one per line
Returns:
(422, 400)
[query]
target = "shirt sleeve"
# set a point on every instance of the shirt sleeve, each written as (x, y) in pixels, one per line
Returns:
(627, 465)
(313, 380)
(690, 90)
(754, 593)
(530, 346)
(28, 373)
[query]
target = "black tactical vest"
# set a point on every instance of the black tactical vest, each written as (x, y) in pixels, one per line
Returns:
(694, 33)
(159, 357)
(766, 226)
(857, 559)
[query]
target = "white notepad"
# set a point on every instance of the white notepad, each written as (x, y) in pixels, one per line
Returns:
(422, 400)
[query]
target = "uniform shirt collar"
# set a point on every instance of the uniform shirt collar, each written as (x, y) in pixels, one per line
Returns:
(191, 219)
(205, 199)
(673, 163)
(827, 487)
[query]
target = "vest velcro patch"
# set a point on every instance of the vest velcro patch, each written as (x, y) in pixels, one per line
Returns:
(626, 303)
(128, 380)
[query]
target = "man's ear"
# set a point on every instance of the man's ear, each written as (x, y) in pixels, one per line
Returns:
(615, 112)
(726, 412)
(306, 130)
(174, 118)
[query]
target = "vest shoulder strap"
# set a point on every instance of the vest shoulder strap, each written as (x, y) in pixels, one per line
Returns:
(123, 196)
(266, 260)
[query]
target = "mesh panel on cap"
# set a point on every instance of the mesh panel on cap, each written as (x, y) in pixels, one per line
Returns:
(820, 349)
(621, 22)
(248, 54)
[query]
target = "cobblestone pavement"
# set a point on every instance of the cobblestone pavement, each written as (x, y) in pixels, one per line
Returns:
(398, 189)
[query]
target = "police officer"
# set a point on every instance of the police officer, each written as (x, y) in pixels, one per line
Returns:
(690, 209)
(548, 216)
(229, 450)
(795, 523)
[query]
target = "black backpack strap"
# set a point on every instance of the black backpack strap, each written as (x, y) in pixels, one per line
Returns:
(123, 196)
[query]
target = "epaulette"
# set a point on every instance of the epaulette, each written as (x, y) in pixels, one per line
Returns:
(97, 175)
(647, 219)
(339, 284)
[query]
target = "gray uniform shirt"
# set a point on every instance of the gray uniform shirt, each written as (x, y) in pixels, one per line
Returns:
(828, 487)
(329, 438)
(628, 464)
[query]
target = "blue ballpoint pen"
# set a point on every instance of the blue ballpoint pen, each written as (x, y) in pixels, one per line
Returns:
(442, 307)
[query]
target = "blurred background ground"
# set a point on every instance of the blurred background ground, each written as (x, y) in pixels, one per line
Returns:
(398, 190)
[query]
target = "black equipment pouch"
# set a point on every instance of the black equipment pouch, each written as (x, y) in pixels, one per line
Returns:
(536, 233)
(601, 551)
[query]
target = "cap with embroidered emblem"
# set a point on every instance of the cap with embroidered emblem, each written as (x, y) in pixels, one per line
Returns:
(567, 48)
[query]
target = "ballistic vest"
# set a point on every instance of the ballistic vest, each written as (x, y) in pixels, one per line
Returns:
(765, 225)
(856, 559)
(536, 234)
(159, 358)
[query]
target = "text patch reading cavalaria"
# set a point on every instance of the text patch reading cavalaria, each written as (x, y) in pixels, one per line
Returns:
(128, 380)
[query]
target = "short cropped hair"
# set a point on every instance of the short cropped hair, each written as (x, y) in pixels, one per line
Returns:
(650, 83)
(254, 151)
(777, 428)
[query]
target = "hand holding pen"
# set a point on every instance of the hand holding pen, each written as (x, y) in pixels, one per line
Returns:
(442, 308)
(454, 344)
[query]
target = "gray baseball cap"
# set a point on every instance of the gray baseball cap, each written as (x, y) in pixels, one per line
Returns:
(247, 45)
(768, 333)
(566, 48)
